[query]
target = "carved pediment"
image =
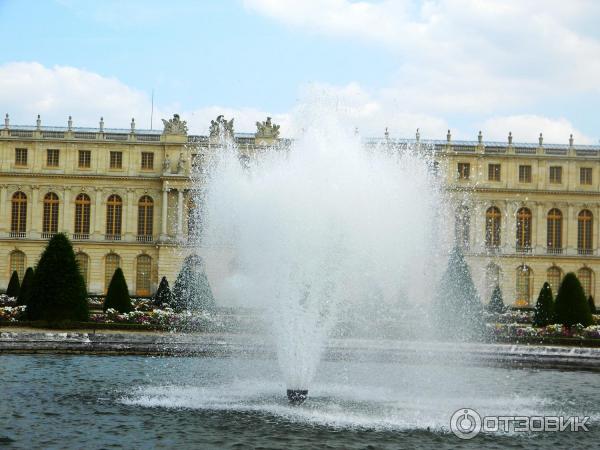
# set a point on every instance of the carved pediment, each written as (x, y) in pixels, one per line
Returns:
(267, 129)
(175, 125)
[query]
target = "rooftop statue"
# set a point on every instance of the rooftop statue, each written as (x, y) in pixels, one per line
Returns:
(221, 125)
(175, 125)
(267, 129)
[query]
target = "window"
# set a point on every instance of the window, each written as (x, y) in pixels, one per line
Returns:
(85, 159)
(524, 286)
(585, 175)
(193, 224)
(114, 211)
(584, 232)
(52, 156)
(17, 262)
(20, 157)
(554, 277)
(111, 263)
(18, 220)
(145, 217)
(82, 216)
(523, 229)
(464, 171)
(555, 174)
(462, 226)
(83, 261)
(116, 160)
(492, 227)
(50, 217)
(143, 275)
(586, 278)
(147, 160)
(494, 172)
(554, 231)
(524, 174)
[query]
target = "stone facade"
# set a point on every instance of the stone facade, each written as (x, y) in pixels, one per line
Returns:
(518, 207)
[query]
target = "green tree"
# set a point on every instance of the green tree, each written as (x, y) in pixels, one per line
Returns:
(571, 306)
(58, 291)
(25, 293)
(117, 296)
(458, 309)
(13, 285)
(163, 294)
(496, 304)
(192, 290)
(592, 305)
(543, 313)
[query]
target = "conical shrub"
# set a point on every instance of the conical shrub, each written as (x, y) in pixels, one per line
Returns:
(571, 306)
(58, 290)
(496, 304)
(543, 313)
(192, 290)
(163, 296)
(14, 286)
(25, 293)
(117, 296)
(592, 305)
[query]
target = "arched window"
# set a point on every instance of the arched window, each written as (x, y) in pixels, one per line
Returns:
(492, 278)
(17, 262)
(18, 221)
(462, 227)
(554, 231)
(83, 261)
(145, 218)
(554, 277)
(50, 218)
(524, 229)
(524, 286)
(143, 275)
(586, 278)
(111, 262)
(492, 227)
(585, 224)
(114, 213)
(82, 216)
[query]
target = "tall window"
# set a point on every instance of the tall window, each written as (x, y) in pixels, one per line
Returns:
(18, 220)
(82, 216)
(52, 157)
(116, 160)
(492, 227)
(145, 217)
(85, 159)
(554, 230)
(555, 174)
(554, 277)
(494, 172)
(83, 261)
(143, 275)
(111, 262)
(147, 160)
(523, 229)
(114, 213)
(464, 171)
(524, 285)
(462, 227)
(585, 175)
(585, 223)
(17, 262)
(50, 218)
(524, 174)
(586, 278)
(21, 157)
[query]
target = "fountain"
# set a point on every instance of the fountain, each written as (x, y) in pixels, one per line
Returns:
(324, 230)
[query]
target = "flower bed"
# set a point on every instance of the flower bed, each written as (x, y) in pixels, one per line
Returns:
(12, 313)
(517, 330)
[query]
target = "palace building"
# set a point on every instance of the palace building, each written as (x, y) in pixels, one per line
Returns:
(526, 214)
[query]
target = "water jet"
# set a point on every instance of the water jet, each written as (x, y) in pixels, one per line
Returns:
(297, 396)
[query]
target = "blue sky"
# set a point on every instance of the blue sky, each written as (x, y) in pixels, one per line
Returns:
(464, 65)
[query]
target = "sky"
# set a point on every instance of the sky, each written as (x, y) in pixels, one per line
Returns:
(466, 65)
